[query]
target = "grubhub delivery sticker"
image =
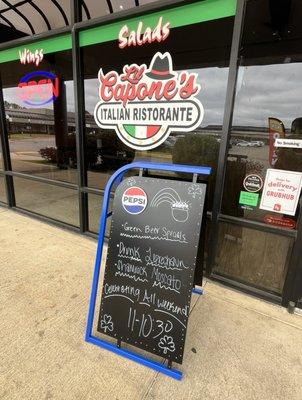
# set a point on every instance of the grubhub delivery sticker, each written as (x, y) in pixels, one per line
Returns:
(281, 191)
(145, 104)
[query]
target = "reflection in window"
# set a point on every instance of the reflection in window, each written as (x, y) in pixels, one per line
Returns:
(105, 152)
(1, 158)
(39, 106)
(256, 258)
(94, 212)
(267, 105)
(51, 201)
(2, 190)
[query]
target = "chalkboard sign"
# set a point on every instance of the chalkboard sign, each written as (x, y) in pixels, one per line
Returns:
(150, 264)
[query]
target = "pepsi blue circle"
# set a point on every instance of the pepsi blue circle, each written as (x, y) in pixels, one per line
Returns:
(134, 200)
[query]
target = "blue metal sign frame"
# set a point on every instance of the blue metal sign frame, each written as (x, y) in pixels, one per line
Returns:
(116, 178)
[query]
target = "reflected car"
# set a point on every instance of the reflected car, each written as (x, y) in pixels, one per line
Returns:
(257, 143)
(243, 143)
(170, 141)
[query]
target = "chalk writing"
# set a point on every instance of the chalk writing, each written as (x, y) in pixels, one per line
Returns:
(124, 289)
(128, 252)
(129, 228)
(135, 278)
(167, 281)
(150, 266)
(167, 262)
(152, 238)
(145, 325)
(131, 268)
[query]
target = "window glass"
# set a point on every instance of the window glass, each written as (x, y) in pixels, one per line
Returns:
(51, 201)
(190, 51)
(253, 257)
(39, 107)
(2, 190)
(1, 157)
(267, 107)
(94, 211)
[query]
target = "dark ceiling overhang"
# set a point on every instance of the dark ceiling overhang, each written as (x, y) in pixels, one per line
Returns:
(32, 17)
(10, 33)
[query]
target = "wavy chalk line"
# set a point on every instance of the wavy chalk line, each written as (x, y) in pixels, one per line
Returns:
(136, 278)
(163, 266)
(164, 287)
(129, 257)
(152, 238)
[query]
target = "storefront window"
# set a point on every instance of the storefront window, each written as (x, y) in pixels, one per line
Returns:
(2, 190)
(267, 107)
(1, 158)
(259, 259)
(95, 207)
(51, 201)
(198, 49)
(264, 164)
(39, 108)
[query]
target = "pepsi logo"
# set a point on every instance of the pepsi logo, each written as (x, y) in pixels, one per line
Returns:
(134, 200)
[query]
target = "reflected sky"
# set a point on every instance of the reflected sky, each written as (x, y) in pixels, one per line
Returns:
(10, 95)
(213, 82)
(262, 91)
(268, 91)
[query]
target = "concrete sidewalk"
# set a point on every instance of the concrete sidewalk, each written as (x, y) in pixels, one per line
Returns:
(237, 347)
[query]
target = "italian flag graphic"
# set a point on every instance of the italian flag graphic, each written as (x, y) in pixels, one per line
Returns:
(142, 131)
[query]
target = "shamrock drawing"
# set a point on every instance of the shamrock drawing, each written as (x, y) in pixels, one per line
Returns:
(194, 190)
(131, 181)
(106, 323)
(166, 343)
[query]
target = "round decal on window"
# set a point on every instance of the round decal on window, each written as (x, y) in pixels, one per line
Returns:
(253, 183)
(134, 200)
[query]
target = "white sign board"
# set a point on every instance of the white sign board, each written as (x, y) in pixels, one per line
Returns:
(281, 191)
(290, 143)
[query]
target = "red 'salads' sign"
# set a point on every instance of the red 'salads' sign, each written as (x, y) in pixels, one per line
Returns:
(141, 36)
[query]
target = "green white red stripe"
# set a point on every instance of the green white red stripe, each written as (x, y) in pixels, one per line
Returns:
(141, 131)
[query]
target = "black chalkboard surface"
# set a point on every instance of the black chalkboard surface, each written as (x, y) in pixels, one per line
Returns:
(150, 264)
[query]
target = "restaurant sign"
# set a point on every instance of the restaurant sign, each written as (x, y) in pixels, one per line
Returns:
(142, 36)
(38, 88)
(281, 191)
(145, 104)
(26, 56)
